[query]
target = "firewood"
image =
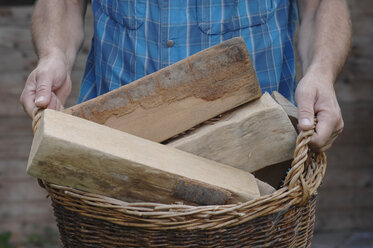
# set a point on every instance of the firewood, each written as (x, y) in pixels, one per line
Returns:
(250, 137)
(180, 96)
(81, 154)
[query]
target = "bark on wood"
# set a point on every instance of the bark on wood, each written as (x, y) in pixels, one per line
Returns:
(180, 96)
(74, 152)
(251, 137)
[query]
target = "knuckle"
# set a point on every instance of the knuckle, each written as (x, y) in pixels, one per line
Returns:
(42, 87)
(335, 118)
(337, 115)
(302, 91)
(339, 123)
(42, 72)
(299, 94)
(305, 111)
(305, 99)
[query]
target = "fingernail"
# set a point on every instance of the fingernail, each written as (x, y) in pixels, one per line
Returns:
(39, 99)
(305, 122)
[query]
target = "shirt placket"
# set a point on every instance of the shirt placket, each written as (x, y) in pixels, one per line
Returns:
(166, 42)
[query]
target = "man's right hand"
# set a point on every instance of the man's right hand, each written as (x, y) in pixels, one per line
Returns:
(57, 33)
(47, 86)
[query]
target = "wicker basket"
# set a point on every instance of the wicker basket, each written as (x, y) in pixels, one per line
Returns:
(283, 219)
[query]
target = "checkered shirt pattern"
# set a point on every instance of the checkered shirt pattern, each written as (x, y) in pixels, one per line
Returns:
(133, 38)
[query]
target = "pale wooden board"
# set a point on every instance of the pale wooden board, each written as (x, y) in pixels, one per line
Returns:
(264, 188)
(289, 108)
(74, 152)
(251, 137)
(180, 96)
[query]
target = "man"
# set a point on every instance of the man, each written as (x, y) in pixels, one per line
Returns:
(135, 38)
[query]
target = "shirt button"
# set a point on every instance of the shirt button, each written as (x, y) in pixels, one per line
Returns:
(170, 43)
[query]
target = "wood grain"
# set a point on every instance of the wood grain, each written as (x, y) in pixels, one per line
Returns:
(251, 137)
(180, 96)
(74, 152)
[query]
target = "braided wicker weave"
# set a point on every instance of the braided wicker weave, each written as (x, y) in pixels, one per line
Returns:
(282, 219)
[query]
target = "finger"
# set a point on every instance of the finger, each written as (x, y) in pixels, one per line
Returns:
(27, 97)
(43, 89)
(324, 134)
(324, 148)
(27, 101)
(305, 101)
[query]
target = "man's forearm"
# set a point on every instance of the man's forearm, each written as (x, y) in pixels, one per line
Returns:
(324, 36)
(57, 28)
(324, 41)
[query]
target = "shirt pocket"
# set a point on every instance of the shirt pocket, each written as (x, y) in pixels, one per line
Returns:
(220, 17)
(128, 13)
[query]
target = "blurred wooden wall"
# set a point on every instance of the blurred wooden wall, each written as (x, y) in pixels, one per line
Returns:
(24, 208)
(346, 196)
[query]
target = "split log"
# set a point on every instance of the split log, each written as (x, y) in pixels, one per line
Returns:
(251, 137)
(264, 188)
(180, 96)
(74, 152)
(289, 108)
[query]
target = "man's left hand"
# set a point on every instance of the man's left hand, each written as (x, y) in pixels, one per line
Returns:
(315, 96)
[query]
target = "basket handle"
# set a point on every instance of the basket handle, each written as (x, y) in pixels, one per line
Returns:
(308, 167)
(36, 115)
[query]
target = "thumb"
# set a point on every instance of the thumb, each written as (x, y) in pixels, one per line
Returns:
(43, 90)
(306, 101)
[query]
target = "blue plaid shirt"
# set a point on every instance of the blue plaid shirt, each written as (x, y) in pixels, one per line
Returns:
(133, 38)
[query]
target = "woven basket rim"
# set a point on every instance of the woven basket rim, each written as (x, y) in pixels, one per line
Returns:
(303, 179)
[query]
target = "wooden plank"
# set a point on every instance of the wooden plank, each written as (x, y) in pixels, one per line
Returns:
(74, 152)
(251, 137)
(289, 108)
(264, 188)
(180, 96)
